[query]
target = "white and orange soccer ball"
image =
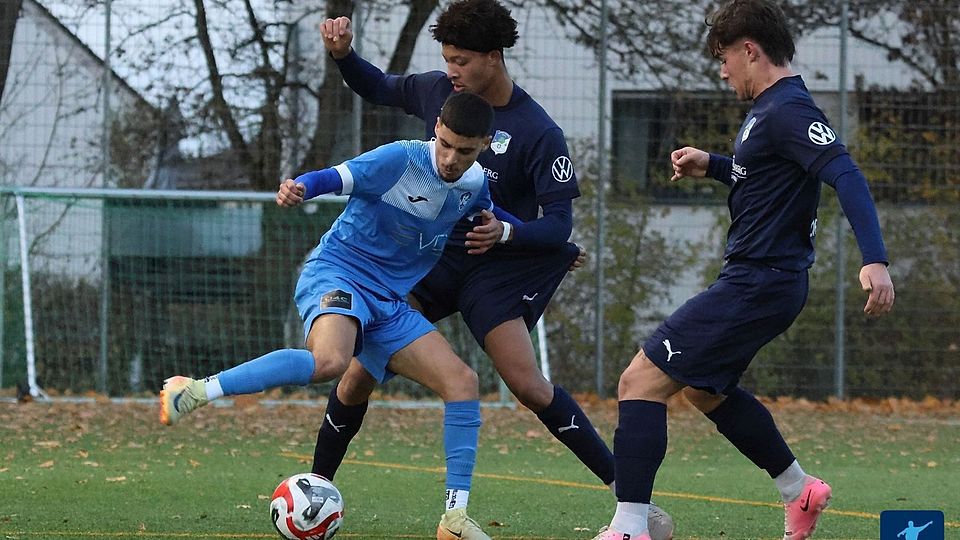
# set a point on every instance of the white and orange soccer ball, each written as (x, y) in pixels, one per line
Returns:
(306, 507)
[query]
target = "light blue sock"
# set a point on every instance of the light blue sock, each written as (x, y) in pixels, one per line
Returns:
(278, 368)
(461, 432)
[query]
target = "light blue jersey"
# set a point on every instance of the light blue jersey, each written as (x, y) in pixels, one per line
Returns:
(399, 215)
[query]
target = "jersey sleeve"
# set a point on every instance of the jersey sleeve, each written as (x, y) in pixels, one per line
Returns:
(552, 169)
(372, 173)
(803, 135)
(409, 92)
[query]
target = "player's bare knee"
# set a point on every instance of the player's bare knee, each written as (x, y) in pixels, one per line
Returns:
(355, 388)
(535, 394)
(461, 384)
(327, 367)
(630, 379)
(704, 401)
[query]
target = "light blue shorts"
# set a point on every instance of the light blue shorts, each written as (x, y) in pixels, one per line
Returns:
(386, 324)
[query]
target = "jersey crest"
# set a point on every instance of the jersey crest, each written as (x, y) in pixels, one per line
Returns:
(464, 199)
(500, 142)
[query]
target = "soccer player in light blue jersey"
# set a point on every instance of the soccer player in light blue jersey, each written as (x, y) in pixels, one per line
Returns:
(405, 198)
(783, 153)
(501, 294)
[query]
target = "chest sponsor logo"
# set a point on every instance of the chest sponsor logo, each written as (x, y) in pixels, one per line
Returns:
(737, 173)
(821, 134)
(434, 244)
(337, 299)
(746, 130)
(492, 176)
(562, 169)
(500, 142)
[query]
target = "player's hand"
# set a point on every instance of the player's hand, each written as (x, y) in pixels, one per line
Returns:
(875, 280)
(580, 260)
(290, 193)
(337, 36)
(484, 236)
(689, 161)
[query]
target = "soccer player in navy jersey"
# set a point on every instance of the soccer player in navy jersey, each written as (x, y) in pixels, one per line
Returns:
(783, 152)
(405, 198)
(502, 293)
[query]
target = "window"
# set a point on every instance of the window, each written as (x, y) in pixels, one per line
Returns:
(647, 126)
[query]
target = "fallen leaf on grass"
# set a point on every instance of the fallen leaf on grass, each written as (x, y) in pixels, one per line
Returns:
(46, 464)
(117, 479)
(47, 444)
(243, 506)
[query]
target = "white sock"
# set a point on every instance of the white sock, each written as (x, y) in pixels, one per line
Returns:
(791, 482)
(613, 487)
(630, 518)
(212, 385)
(457, 498)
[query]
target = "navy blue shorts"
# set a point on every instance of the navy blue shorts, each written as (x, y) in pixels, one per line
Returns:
(711, 339)
(493, 288)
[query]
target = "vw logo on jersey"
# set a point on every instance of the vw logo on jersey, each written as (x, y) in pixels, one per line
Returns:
(500, 142)
(464, 199)
(562, 169)
(821, 134)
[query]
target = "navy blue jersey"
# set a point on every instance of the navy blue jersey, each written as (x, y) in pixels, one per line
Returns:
(528, 164)
(782, 145)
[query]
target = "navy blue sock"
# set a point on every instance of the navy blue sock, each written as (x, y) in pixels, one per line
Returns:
(340, 424)
(747, 424)
(639, 445)
(570, 425)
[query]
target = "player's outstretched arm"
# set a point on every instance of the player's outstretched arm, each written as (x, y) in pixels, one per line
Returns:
(689, 161)
(875, 280)
(337, 35)
(290, 193)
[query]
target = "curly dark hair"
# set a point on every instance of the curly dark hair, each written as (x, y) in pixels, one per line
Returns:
(476, 25)
(760, 20)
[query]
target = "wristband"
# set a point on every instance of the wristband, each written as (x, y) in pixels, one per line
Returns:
(506, 232)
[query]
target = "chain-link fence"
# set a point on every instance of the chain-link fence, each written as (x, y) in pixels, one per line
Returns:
(169, 94)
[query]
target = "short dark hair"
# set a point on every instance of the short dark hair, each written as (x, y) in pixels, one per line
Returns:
(467, 115)
(476, 25)
(760, 20)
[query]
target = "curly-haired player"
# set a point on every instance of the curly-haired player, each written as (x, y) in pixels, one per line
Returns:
(502, 293)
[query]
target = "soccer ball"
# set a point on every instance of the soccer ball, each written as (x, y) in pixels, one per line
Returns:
(306, 507)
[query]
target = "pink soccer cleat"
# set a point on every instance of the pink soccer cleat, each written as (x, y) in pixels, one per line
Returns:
(607, 533)
(801, 514)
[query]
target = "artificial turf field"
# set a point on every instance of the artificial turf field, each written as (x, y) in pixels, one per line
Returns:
(108, 470)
